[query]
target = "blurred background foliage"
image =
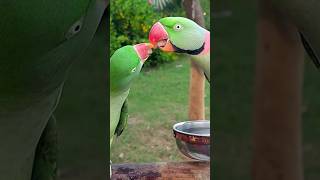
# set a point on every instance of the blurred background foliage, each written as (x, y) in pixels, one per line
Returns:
(130, 22)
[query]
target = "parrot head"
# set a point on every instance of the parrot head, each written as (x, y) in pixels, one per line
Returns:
(126, 64)
(178, 34)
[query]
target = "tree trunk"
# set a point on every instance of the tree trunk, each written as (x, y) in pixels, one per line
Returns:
(277, 150)
(196, 90)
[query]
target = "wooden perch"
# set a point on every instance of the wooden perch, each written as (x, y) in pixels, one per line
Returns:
(192, 170)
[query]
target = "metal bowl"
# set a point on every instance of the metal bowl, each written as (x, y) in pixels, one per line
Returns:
(193, 139)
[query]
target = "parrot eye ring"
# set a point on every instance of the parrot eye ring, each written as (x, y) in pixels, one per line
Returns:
(133, 70)
(177, 27)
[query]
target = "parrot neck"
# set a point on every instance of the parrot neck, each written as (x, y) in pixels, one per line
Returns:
(206, 49)
(203, 50)
(119, 87)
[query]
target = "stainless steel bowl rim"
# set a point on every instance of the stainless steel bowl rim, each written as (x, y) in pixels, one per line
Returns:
(192, 122)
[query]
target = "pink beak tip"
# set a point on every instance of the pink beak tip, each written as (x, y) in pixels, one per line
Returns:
(144, 50)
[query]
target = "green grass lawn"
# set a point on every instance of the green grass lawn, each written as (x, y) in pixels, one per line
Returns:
(157, 100)
(234, 62)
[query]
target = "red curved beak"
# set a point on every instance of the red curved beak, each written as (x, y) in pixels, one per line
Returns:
(157, 33)
(159, 37)
(143, 50)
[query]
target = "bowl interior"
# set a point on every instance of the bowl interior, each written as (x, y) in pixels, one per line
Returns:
(195, 128)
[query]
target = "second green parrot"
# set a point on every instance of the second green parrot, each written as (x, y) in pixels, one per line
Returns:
(182, 35)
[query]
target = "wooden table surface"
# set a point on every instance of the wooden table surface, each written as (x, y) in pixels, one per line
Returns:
(190, 170)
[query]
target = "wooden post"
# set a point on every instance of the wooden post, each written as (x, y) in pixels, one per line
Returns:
(197, 80)
(277, 150)
(196, 93)
(193, 170)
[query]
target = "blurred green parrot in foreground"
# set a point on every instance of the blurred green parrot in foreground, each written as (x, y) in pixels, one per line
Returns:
(125, 66)
(39, 40)
(182, 35)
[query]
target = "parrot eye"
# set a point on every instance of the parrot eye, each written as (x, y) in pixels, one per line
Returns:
(177, 27)
(133, 70)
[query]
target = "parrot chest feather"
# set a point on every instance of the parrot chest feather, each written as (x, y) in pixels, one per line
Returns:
(203, 61)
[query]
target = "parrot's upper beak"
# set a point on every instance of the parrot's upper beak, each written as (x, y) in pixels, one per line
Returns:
(143, 50)
(158, 37)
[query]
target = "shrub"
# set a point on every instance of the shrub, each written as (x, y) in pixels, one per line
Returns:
(130, 22)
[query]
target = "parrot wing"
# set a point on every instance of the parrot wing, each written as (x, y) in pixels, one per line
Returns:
(310, 51)
(123, 118)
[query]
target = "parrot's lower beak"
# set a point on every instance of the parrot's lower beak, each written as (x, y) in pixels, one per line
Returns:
(158, 37)
(143, 50)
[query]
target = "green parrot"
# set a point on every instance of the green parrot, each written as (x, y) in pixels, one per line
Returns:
(39, 40)
(182, 35)
(125, 66)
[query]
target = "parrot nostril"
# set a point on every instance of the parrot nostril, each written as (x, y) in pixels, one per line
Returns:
(77, 28)
(74, 29)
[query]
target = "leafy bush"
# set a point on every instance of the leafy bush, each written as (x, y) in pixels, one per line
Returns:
(130, 22)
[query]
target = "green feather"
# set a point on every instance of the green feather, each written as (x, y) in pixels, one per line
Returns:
(123, 120)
